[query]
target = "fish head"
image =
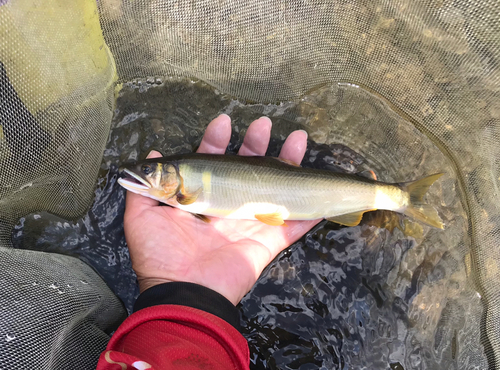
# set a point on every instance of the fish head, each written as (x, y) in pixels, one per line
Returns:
(160, 181)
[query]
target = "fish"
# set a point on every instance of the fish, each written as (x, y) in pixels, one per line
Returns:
(272, 190)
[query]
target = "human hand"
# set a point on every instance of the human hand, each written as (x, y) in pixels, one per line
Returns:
(227, 256)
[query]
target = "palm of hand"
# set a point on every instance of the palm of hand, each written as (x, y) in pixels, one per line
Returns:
(167, 244)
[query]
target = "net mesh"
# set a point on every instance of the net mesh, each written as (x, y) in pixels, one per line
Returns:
(56, 98)
(435, 63)
(56, 312)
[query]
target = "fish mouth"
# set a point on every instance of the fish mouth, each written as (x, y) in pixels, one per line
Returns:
(134, 182)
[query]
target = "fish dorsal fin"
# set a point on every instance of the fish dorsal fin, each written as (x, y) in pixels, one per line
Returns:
(287, 161)
(273, 219)
(350, 219)
(369, 174)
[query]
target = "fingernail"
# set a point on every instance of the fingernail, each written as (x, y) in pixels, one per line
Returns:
(153, 153)
(305, 132)
(222, 119)
(268, 119)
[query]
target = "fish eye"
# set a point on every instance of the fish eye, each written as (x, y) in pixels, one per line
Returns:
(146, 169)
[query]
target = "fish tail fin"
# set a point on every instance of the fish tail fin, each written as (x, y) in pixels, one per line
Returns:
(426, 214)
(417, 209)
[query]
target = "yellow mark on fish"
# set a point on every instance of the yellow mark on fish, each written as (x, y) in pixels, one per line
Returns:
(206, 179)
(158, 176)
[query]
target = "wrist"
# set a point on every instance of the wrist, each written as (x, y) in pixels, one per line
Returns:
(146, 283)
(189, 295)
(227, 292)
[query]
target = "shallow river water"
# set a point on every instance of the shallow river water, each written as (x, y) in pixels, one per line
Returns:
(382, 295)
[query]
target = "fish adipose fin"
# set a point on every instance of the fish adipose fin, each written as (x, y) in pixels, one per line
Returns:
(273, 219)
(287, 161)
(369, 174)
(418, 210)
(350, 219)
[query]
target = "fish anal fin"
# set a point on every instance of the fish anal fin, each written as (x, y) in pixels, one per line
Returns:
(287, 161)
(349, 219)
(188, 198)
(272, 219)
(201, 217)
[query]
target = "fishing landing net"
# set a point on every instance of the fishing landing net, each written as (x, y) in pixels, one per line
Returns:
(412, 87)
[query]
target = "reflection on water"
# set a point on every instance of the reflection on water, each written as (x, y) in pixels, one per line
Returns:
(387, 294)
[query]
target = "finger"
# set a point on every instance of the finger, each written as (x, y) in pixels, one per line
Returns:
(135, 203)
(296, 230)
(294, 147)
(278, 240)
(257, 137)
(217, 136)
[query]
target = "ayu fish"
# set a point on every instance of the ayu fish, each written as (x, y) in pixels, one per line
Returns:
(272, 190)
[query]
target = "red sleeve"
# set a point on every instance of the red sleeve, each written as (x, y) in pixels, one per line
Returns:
(175, 337)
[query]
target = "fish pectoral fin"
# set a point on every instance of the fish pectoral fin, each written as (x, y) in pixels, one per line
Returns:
(350, 219)
(188, 198)
(201, 217)
(287, 161)
(273, 219)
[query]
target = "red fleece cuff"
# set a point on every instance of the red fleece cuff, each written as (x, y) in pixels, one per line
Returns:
(176, 337)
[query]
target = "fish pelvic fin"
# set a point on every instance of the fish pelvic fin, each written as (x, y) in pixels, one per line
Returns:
(273, 219)
(417, 209)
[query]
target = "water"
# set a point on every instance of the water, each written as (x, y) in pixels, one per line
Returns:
(380, 295)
